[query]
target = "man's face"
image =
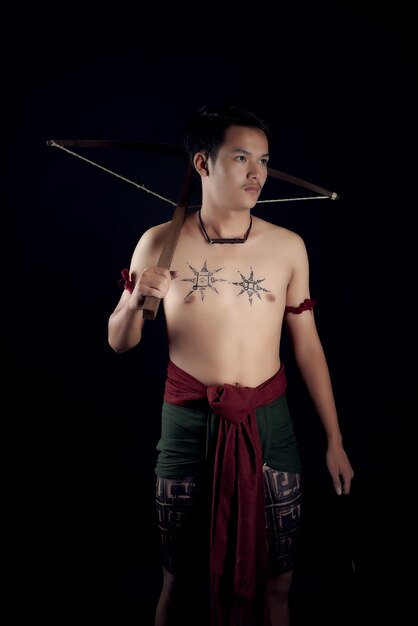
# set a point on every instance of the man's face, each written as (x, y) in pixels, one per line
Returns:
(236, 178)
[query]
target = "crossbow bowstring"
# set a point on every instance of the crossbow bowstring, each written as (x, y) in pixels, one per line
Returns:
(323, 194)
(151, 303)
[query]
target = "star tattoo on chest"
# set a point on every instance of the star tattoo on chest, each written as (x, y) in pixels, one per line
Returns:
(203, 279)
(250, 285)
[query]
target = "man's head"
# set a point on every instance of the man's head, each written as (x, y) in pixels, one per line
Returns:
(228, 147)
(206, 130)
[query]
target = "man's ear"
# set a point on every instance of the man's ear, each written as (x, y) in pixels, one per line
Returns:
(200, 161)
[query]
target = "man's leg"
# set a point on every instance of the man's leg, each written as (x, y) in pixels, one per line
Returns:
(283, 513)
(180, 526)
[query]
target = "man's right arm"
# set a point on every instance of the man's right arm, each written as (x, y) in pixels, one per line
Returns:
(126, 322)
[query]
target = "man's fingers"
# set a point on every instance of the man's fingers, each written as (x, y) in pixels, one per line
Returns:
(156, 281)
(342, 484)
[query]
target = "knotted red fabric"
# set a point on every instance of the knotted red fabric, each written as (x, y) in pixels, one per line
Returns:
(307, 305)
(238, 550)
(126, 281)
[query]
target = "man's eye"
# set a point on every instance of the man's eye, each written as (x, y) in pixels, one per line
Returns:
(263, 161)
(241, 158)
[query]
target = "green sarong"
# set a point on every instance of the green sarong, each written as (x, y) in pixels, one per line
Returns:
(188, 439)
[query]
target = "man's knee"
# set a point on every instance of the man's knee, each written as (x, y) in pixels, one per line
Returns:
(279, 585)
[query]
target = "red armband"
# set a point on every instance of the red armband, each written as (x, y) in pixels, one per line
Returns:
(126, 281)
(306, 305)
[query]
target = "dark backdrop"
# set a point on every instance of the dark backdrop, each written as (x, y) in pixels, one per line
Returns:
(82, 423)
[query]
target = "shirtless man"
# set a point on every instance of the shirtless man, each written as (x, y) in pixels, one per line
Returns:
(225, 303)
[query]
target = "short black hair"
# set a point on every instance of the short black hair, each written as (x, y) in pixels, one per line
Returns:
(206, 130)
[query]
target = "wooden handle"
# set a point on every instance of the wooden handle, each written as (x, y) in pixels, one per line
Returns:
(301, 183)
(152, 303)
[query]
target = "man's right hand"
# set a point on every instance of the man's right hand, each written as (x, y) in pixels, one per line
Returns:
(153, 281)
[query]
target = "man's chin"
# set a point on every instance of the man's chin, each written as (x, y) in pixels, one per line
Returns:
(252, 203)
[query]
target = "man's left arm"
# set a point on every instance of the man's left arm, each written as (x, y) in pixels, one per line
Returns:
(312, 364)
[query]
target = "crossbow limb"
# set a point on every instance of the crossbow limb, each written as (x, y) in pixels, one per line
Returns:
(151, 303)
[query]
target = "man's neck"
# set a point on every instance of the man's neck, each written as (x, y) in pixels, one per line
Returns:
(231, 227)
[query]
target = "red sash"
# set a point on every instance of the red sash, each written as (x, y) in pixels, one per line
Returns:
(238, 551)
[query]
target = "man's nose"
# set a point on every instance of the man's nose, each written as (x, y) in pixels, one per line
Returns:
(252, 170)
(255, 171)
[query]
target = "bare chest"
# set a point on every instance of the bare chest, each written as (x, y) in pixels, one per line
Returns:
(227, 279)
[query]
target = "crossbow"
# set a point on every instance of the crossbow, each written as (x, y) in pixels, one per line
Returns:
(151, 303)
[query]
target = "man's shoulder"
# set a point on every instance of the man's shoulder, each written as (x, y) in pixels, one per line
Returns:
(157, 229)
(155, 234)
(150, 244)
(279, 232)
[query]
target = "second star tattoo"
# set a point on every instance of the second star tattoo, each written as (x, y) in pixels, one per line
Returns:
(250, 285)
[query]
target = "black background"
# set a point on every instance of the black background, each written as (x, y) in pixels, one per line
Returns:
(338, 84)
